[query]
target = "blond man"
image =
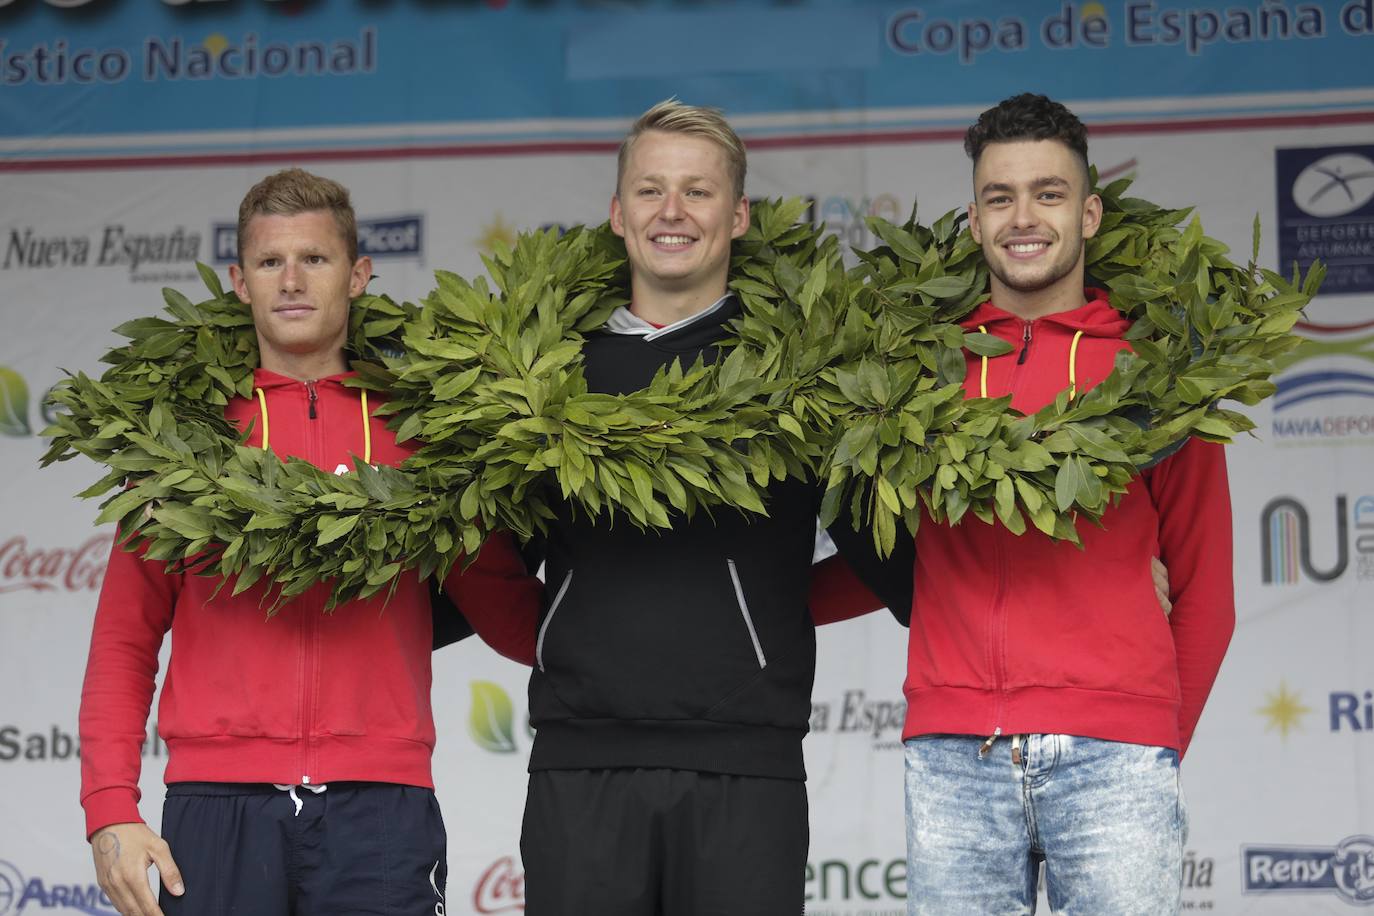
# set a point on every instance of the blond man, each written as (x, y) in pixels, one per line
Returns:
(672, 669)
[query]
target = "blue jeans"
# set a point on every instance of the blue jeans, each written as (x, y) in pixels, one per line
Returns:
(1106, 818)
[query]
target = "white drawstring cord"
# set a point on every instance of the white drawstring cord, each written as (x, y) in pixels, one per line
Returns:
(291, 790)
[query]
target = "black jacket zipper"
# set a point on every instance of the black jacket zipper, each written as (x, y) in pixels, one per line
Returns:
(1025, 346)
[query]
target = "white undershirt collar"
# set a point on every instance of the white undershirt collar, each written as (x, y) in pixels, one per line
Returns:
(624, 321)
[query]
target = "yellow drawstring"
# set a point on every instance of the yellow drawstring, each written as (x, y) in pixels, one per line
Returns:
(983, 376)
(1073, 366)
(262, 412)
(367, 427)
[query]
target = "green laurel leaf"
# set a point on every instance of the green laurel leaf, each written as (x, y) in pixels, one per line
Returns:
(491, 720)
(14, 404)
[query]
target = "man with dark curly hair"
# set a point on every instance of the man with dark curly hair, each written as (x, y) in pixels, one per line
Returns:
(1048, 699)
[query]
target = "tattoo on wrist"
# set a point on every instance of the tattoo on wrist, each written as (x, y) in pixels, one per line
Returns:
(107, 844)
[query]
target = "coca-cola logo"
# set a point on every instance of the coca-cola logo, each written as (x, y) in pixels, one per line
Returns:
(45, 569)
(501, 889)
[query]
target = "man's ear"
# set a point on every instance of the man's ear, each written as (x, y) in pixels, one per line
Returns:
(359, 277)
(1092, 216)
(974, 229)
(741, 224)
(236, 279)
(617, 217)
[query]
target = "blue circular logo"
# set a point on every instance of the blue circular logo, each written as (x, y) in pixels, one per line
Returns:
(11, 888)
(1353, 864)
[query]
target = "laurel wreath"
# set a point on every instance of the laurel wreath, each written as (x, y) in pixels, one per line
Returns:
(851, 376)
(491, 382)
(187, 489)
(1204, 330)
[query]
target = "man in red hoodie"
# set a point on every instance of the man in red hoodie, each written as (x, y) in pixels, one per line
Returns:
(1049, 700)
(262, 716)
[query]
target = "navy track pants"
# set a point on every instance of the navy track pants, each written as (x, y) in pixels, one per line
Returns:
(370, 849)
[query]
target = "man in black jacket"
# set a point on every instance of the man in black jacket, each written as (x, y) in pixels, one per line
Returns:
(673, 669)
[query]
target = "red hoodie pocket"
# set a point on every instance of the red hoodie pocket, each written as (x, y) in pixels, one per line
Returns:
(233, 670)
(1090, 619)
(374, 673)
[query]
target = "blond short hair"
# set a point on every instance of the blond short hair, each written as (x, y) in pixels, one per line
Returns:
(672, 116)
(294, 191)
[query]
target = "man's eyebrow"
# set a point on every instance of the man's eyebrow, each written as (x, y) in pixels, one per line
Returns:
(686, 179)
(1049, 181)
(308, 249)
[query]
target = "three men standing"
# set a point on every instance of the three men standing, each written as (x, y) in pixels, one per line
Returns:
(673, 669)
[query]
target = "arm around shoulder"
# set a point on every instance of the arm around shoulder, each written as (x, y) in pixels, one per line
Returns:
(499, 597)
(849, 591)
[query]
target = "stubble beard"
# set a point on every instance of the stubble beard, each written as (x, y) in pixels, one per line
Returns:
(1050, 275)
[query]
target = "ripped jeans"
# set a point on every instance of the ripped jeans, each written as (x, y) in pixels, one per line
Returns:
(1107, 819)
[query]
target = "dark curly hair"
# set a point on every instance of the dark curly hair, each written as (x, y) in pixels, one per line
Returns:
(1027, 117)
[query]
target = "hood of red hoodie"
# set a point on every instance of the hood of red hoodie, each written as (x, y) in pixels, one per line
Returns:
(267, 379)
(1095, 318)
(1046, 355)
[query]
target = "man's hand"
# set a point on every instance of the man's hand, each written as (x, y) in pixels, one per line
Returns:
(123, 853)
(1160, 574)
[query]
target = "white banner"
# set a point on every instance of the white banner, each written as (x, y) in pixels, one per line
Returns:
(1278, 778)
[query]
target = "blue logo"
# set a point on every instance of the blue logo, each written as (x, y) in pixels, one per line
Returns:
(20, 895)
(1346, 379)
(1346, 870)
(1326, 212)
(1326, 390)
(388, 237)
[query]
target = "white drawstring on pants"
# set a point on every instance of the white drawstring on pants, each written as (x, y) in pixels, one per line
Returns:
(291, 790)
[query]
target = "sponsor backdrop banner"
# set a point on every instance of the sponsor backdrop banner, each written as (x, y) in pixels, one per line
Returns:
(133, 127)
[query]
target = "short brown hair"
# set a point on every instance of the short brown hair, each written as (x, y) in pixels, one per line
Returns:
(293, 191)
(671, 116)
(1029, 117)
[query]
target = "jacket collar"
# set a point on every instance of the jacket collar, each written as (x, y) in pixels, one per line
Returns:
(266, 379)
(705, 327)
(1096, 317)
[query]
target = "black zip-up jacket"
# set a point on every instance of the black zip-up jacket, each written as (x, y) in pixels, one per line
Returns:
(691, 648)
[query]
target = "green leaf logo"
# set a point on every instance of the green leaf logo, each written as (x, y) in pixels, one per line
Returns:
(14, 404)
(492, 718)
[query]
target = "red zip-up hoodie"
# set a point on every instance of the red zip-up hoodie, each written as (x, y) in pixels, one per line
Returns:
(301, 698)
(1023, 635)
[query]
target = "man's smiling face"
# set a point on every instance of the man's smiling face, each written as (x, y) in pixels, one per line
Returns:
(1031, 213)
(675, 208)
